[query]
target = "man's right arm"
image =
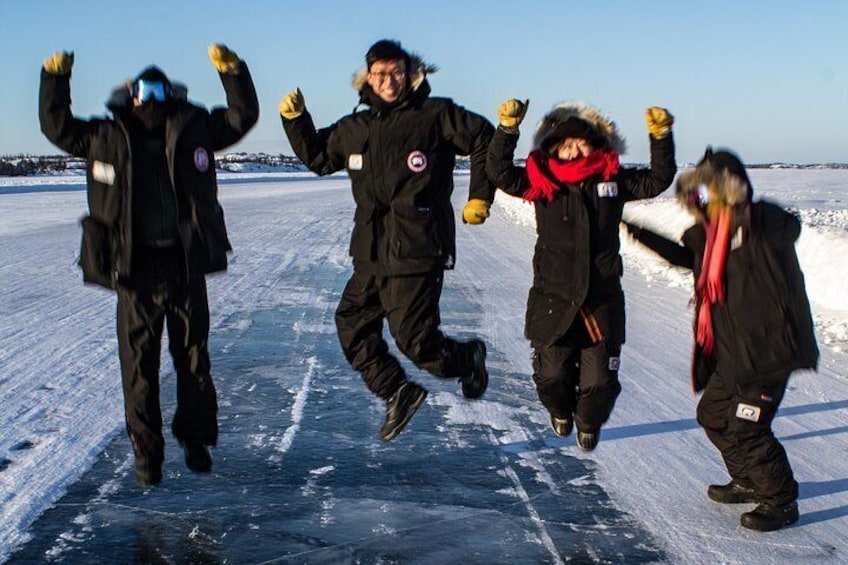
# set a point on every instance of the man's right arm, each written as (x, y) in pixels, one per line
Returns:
(320, 150)
(54, 107)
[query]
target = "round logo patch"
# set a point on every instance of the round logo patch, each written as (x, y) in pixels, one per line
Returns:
(201, 160)
(417, 161)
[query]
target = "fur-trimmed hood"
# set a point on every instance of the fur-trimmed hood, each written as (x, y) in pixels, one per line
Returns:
(718, 180)
(604, 127)
(418, 71)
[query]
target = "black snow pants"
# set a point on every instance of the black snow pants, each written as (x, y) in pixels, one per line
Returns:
(739, 425)
(575, 378)
(156, 295)
(410, 304)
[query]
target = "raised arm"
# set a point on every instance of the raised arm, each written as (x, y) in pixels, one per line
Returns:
(647, 183)
(232, 123)
(671, 251)
(500, 167)
(318, 150)
(58, 123)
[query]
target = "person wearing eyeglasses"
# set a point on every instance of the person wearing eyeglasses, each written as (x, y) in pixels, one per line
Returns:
(753, 328)
(155, 228)
(575, 308)
(400, 150)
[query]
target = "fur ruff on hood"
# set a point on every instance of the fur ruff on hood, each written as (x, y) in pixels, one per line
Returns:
(725, 187)
(604, 126)
(418, 71)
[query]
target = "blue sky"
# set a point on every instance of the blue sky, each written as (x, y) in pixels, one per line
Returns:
(767, 79)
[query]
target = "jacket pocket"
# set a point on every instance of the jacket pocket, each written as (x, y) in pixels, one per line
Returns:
(97, 255)
(215, 241)
(769, 349)
(415, 232)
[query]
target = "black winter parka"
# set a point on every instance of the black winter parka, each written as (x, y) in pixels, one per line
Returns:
(192, 135)
(576, 260)
(764, 329)
(400, 159)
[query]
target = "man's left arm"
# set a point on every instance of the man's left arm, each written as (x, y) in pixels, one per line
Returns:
(232, 123)
(470, 135)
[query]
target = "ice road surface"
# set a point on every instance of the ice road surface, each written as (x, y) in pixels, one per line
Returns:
(300, 474)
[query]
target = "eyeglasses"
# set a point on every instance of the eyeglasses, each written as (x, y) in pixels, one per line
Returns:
(144, 90)
(382, 76)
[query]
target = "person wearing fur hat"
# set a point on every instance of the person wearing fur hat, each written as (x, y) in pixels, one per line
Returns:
(154, 230)
(753, 328)
(575, 308)
(400, 150)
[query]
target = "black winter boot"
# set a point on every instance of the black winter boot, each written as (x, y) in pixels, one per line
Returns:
(197, 458)
(562, 426)
(400, 407)
(588, 441)
(475, 383)
(732, 493)
(767, 517)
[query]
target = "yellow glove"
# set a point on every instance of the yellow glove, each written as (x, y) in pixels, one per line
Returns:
(223, 59)
(511, 112)
(59, 63)
(476, 211)
(292, 104)
(659, 121)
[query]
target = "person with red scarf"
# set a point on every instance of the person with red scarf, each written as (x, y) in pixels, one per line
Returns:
(752, 328)
(575, 308)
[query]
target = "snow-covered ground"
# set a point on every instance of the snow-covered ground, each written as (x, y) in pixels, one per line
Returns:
(274, 350)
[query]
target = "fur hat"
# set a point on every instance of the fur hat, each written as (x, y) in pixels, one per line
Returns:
(718, 180)
(567, 119)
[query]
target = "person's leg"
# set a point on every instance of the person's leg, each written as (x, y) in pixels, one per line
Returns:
(359, 324)
(765, 462)
(412, 311)
(715, 413)
(598, 389)
(555, 373)
(195, 423)
(140, 316)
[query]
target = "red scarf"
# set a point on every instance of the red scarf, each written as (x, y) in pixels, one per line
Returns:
(546, 173)
(710, 286)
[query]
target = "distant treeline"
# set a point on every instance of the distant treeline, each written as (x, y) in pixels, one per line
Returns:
(23, 165)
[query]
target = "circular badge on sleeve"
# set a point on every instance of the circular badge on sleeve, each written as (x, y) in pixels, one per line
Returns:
(416, 161)
(201, 159)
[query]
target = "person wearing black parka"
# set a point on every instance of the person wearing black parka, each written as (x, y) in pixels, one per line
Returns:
(753, 328)
(154, 230)
(575, 308)
(399, 149)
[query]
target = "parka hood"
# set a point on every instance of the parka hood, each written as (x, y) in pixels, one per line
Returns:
(720, 178)
(603, 128)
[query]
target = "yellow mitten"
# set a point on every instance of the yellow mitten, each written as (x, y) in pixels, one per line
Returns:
(476, 211)
(59, 63)
(659, 121)
(292, 105)
(511, 112)
(223, 59)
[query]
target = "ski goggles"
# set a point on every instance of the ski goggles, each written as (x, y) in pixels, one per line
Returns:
(145, 90)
